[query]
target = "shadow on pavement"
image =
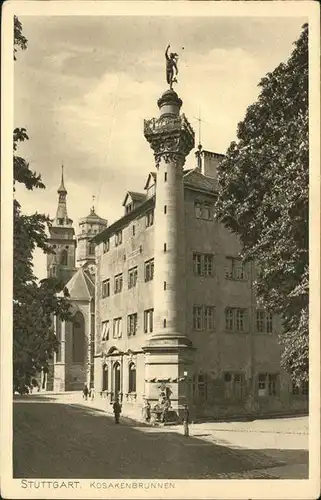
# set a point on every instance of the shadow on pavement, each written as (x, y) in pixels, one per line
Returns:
(31, 398)
(62, 441)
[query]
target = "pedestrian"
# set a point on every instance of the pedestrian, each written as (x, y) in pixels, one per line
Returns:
(186, 420)
(85, 392)
(147, 411)
(117, 410)
(166, 407)
(92, 394)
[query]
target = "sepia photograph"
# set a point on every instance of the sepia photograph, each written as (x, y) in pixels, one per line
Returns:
(161, 326)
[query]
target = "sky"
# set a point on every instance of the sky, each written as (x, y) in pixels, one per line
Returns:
(85, 84)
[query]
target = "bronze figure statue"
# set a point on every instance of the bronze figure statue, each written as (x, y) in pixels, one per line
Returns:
(171, 67)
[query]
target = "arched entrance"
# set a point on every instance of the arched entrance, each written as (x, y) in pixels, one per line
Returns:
(116, 369)
(105, 378)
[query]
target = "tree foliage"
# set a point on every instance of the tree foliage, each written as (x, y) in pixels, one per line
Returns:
(34, 304)
(19, 40)
(263, 198)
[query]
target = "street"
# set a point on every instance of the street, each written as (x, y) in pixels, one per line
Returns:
(56, 440)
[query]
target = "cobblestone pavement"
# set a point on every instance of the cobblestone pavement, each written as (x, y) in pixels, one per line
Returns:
(74, 441)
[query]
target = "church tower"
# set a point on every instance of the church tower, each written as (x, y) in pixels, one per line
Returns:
(89, 227)
(61, 264)
(169, 351)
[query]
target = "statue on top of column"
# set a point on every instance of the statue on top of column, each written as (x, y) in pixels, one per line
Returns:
(171, 67)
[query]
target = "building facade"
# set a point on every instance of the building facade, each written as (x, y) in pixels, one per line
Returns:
(73, 264)
(176, 317)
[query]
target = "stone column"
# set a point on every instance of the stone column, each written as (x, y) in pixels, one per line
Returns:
(168, 350)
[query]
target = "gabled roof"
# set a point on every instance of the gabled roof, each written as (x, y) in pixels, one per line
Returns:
(135, 197)
(196, 180)
(151, 179)
(81, 286)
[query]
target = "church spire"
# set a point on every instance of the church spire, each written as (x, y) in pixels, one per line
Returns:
(61, 218)
(62, 188)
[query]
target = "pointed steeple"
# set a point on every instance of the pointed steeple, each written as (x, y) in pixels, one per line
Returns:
(62, 188)
(61, 218)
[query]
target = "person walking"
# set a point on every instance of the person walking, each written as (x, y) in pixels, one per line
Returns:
(117, 411)
(92, 394)
(186, 420)
(85, 392)
(147, 411)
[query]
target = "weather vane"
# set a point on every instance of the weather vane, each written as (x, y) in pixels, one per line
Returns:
(171, 67)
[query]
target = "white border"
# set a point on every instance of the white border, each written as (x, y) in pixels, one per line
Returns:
(265, 489)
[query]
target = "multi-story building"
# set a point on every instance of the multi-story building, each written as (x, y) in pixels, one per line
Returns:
(175, 310)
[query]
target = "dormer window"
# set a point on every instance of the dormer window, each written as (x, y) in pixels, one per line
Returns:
(91, 249)
(129, 208)
(151, 191)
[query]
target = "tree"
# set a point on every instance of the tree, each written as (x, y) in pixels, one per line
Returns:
(263, 198)
(34, 304)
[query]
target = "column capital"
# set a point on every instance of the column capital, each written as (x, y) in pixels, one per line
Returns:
(170, 137)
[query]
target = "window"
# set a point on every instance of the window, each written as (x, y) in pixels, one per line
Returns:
(132, 377)
(197, 317)
(60, 222)
(150, 218)
(133, 230)
(198, 210)
(204, 318)
(200, 386)
(264, 322)
(78, 338)
(53, 271)
(105, 330)
(273, 379)
(164, 322)
(58, 336)
(106, 246)
(239, 317)
(149, 270)
(268, 384)
(165, 176)
(302, 390)
(233, 385)
(151, 191)
(132, 277)
(91, 249)
(165, 247)
(118, 283)
(64, 258)
(234, 269)
(165, 209)
(203, 264)
(117, 328)
(148, 320)
(235, 319)
(203, 210)
(118, 238)
(208, 318)
(131, 324)
(206, 212)
(105, 292)
(165, 285)
(128, 208)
